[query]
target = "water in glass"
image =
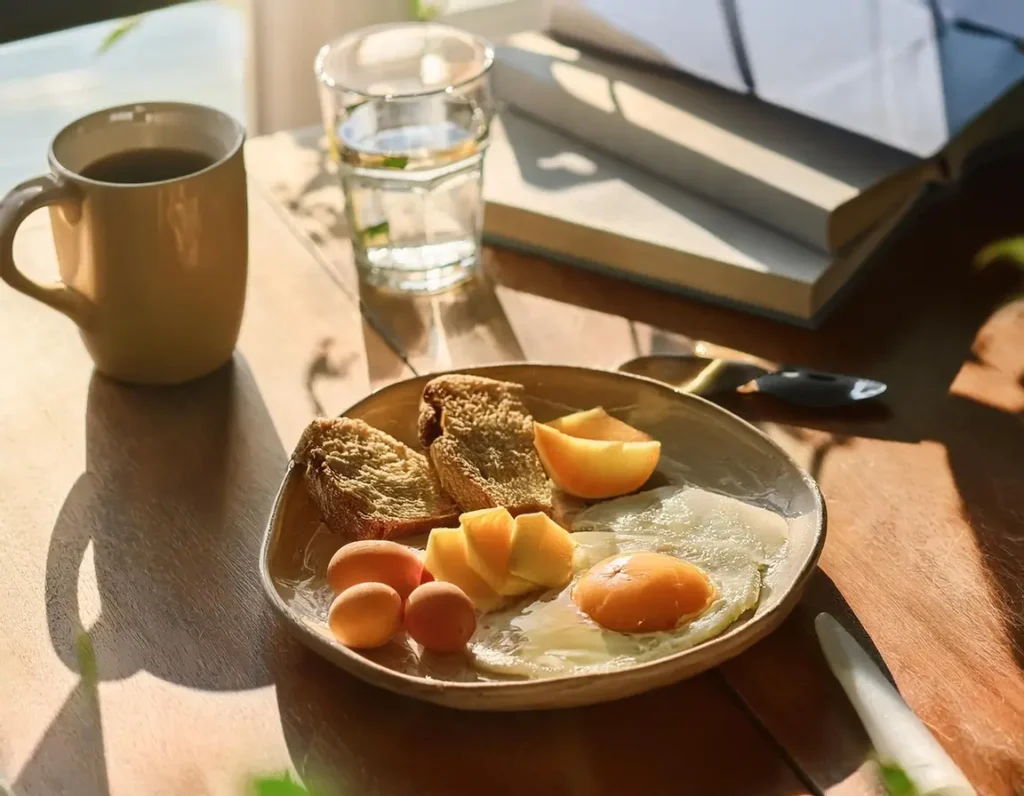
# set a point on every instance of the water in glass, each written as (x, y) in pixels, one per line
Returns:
(407, 109)
(413, 189)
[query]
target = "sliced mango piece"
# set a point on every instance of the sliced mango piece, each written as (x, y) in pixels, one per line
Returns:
(597, 424)
(594, 469)
(488, 534)
(541, 551)
(516, 587)
(448, 560)
(488, 541)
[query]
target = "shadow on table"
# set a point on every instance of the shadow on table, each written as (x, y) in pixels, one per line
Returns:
(166, 523)
(462, 327)
(802, 686)
(348, 737)
(913, 321)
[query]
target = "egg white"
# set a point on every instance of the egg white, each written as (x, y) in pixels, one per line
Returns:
(548, 636)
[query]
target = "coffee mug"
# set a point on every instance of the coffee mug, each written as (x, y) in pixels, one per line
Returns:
(150, 224)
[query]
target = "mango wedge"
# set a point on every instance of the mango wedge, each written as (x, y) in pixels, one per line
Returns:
(447, 560)
(595, 469)
(541, 551)
(488, 541)
(598, 424)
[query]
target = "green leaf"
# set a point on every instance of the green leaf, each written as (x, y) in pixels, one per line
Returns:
(126, 25)
(895, 781)
(423, 11)
(278, 785)
(395, 162)
(1011, 249)
(377, 229)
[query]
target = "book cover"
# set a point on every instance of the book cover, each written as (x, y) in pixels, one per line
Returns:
(551, 195)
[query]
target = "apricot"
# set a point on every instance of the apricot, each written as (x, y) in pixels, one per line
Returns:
(595, 469)
(365, 615)
(488, 540)
(375, 561)
(596, 423)
(448, 561)
(440, 616)
(540, 551)
(642, 592)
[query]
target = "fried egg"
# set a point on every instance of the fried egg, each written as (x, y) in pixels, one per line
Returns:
(723, 541)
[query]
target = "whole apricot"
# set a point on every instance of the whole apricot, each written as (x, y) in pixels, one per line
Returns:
(375, 561)
(440, 616)
(365, 615)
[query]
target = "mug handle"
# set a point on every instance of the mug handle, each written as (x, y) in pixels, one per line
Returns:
(14, 209)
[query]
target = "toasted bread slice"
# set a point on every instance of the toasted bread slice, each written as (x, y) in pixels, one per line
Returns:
(479, 436)
(367, 484)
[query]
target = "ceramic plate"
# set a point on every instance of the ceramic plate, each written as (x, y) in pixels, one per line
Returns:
(702, 445)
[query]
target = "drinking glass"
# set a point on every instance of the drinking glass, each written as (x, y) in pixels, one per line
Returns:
(407, 109)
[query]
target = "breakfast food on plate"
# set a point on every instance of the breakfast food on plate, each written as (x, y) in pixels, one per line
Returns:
(480, 554)
(440, 617)
(540, 551)
(696, 515)
(596, 423)
(640, 577)
(375, 561)
(653, 574)
(488, 544)
(367, 484)
(365, 615)
(479, 435)
(380, 585)
(593, 455)
(448, 561)
(643, 592)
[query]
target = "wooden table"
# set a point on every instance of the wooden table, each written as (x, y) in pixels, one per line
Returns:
(137, 654)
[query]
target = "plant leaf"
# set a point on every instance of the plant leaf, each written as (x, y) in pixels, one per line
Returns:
(423, 11)
(377, 229)
(895, 781)
(278, 785)
(395, 162)
(126, 25)
(1011, 249)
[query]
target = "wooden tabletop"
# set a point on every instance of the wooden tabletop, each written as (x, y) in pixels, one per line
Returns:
(138, 655)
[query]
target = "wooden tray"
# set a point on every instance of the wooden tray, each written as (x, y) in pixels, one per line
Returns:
(702, 444)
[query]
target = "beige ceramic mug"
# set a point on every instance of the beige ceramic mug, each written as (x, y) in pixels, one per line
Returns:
(150, 223)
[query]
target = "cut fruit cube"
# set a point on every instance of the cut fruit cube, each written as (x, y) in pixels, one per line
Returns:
(488, 536)
(541, 551)
(448, 560)
(517, 587)
(488, 541)
(597, 424)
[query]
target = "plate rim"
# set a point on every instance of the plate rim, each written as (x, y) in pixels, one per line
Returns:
(424, 686)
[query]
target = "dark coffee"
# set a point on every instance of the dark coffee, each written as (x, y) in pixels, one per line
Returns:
(147, 165)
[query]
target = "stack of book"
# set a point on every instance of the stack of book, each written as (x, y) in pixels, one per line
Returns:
(762, 176)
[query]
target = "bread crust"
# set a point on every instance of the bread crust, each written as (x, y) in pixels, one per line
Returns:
(479, 436)
(367, 484)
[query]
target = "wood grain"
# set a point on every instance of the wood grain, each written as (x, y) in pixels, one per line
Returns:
(484, 321)
(137, 654)
(924, 559)
(135, 515)
(683, 739)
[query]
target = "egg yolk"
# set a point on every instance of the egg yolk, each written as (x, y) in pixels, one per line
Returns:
(643, 592)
